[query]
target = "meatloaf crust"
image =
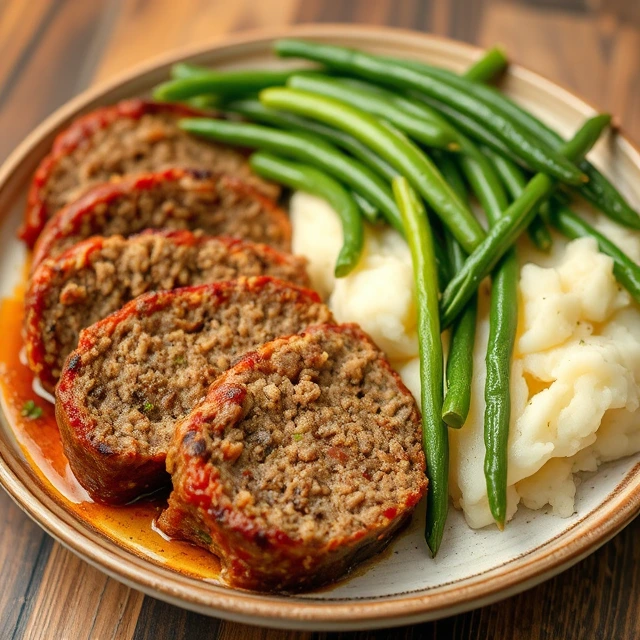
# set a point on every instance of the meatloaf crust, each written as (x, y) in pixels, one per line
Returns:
(146, 365)
(302, 460)
(97, 276)
(172, 199)
(129, 137)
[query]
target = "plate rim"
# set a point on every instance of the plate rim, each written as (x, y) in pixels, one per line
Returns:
(549, 559)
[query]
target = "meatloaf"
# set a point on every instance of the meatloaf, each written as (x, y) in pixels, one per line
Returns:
(129, 137)
(146, 365)
(173, 199)
(302, 460)
(96, 277)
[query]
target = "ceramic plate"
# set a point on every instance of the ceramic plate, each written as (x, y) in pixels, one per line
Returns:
(404, 585)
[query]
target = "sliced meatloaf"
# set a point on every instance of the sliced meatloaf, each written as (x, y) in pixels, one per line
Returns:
(302, 460)
(171, 199)
(143, 367)
(96, 277)
(129, 137)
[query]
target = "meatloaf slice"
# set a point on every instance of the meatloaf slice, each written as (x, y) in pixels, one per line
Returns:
(302, 460)
(173, 199)
(143, 367)
(96, 277)
(129, 137)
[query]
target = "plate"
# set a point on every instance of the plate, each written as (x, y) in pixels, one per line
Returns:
(404, 585)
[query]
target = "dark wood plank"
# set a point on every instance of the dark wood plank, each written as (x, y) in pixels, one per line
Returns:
(23, 554)
(74, 600)
(50, 76)
(22, 25)
(161, 621)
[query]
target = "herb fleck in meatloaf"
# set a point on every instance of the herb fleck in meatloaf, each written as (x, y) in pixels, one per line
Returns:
(129, 137)
(302, 460)
(173, 199)
(143, 367)
(97, 276)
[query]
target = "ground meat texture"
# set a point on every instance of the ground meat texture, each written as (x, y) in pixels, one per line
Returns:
(302, 460)
(97, 276)
(145, 366)
(129, 137)
(171, 199)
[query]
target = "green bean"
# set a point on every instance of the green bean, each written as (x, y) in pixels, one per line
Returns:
(305, 178)
(256, 111)
(424, 131)
(182, 70)
(459, 372)
(370, 213)
(598, 190)
(539, 235)
(204, 103)
(467, 125)
(304, 147)
(227, 83)
(625, 269)
(394, 147)
(503, 322)
(515, 182)
(493, 62)
(534, 153)
(457, 400)
(449, 170)
(514, 220)
(435, 438)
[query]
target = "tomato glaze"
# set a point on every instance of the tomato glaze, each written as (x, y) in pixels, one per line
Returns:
(130, 526)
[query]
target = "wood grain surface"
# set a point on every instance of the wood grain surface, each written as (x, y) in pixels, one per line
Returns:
(52, 49)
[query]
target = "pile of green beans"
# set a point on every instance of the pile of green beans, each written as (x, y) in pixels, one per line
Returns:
(598, 190)
(427, 132)
(397, 141)
(393, 146)
(538, 156)
(518, 216)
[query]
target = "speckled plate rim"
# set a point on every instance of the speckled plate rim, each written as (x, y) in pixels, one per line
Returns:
(614, 512)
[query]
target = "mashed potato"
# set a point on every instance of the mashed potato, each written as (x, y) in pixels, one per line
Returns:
(575, 384)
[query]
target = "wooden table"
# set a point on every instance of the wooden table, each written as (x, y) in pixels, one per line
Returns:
(51, 50)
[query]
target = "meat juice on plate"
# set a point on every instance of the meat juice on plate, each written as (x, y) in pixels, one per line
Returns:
(130, 526)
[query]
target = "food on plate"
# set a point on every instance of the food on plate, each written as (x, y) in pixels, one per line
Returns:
(99, 275)
(143, 367)
(584, 279)
(302, 460)
(294, 449)
(129, 137)
(170, 199)
(392, 145)
(575, 385)
(512, 223)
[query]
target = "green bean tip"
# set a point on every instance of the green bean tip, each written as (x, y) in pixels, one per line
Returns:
(453, 419)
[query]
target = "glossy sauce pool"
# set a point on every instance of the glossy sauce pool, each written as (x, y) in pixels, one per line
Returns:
(130, 526)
